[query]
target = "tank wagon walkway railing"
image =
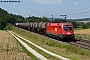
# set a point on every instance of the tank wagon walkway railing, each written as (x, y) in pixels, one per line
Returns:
(48, 52)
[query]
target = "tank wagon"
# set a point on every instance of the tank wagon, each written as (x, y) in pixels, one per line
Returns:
(61, 30)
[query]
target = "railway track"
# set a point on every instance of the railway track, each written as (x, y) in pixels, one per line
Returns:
(85, 44)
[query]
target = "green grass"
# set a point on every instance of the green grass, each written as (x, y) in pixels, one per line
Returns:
(82, 36)
(78, 28)
(69, 51)
(42, 52)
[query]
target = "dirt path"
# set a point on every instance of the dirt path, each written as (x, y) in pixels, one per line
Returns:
(30, 49)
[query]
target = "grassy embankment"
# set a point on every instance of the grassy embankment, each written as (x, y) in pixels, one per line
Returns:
(68, 51)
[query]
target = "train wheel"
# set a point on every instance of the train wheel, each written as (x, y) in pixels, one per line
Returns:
(58, 38)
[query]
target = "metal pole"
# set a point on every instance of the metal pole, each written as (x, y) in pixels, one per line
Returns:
(52, 17)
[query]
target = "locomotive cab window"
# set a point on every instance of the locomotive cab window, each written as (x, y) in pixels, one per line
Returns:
(67, 28)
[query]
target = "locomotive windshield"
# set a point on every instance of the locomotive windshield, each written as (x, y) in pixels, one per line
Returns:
(67, 28)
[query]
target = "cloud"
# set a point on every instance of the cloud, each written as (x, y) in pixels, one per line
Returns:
(88, 3)
(46, 1)
(76, 3)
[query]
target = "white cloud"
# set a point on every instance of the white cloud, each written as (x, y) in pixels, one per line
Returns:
(46, 1)
(63, 4)
(76, 3)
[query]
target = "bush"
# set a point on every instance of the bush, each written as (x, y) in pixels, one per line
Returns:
(8, 26)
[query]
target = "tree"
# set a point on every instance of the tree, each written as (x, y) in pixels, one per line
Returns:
(44, 19)
(32, 19)
(36, 19)
(5, 18)
(8, 26)
(88, 25)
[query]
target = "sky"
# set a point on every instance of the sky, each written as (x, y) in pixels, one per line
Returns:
(72, 8)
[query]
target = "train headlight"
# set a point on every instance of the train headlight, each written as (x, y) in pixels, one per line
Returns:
(68, 33)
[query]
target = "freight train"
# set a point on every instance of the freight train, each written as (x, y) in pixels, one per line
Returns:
(60, 30)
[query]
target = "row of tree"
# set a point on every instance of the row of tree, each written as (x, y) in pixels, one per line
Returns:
(36, 19)
(84, 26)
(6, 18)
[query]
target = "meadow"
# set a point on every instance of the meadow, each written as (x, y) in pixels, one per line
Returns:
(83, 34)
(10, 48)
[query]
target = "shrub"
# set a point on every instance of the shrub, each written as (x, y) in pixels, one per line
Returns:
(8, 26)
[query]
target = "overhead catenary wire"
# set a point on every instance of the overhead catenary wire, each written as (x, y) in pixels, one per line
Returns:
(73, 13)
(76, 12)
(79, 10)
(79, 13)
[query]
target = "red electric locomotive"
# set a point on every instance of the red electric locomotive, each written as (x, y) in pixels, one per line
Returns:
(63, 30)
